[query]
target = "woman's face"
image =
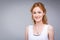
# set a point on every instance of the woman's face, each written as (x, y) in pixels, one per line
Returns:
(37, 14)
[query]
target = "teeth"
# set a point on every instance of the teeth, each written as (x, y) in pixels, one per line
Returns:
(37, 17)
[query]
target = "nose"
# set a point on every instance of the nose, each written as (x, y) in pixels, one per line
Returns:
(37, 14)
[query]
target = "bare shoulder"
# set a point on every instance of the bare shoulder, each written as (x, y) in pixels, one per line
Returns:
(50, 27)
(26, 33)
(51, 32)
(26, 28)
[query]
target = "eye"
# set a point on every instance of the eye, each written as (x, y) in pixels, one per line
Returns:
(39, 12)
(34, 12)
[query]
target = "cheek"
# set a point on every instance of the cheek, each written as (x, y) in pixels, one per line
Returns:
(41, 15)
(33, 15)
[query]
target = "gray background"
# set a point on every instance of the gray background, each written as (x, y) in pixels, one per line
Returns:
(15, 15)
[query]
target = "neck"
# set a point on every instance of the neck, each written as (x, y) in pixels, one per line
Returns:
(39, 24)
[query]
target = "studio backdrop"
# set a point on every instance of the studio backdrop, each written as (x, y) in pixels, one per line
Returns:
(15, 15)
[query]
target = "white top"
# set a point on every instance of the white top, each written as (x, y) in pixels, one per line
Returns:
(42, 36)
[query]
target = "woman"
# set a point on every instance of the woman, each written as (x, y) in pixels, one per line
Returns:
(40, 30)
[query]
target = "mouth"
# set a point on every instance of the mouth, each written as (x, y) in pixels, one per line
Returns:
(37, 17)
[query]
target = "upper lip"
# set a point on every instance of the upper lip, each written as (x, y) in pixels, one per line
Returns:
(36, 17)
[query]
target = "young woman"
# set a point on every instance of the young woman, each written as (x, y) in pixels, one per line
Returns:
(41, 30)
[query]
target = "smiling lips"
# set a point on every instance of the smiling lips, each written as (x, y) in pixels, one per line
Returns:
(37, 17)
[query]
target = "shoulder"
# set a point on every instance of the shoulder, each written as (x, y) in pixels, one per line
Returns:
(26, 30)
(51, 32)
(50, 29)
(49, 26)
(28, 26)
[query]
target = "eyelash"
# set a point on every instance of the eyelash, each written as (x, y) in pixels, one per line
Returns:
(35, 12)
(39, 12)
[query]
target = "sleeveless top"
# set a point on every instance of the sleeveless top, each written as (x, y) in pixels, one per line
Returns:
(43, 34)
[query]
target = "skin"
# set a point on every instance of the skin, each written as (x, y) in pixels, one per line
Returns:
(37, 15)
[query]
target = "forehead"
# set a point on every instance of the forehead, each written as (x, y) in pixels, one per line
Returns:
(37, 9)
